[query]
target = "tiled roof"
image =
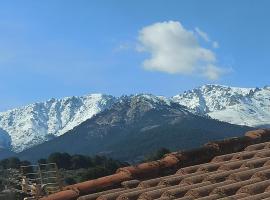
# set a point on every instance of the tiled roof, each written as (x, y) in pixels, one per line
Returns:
(236, 168)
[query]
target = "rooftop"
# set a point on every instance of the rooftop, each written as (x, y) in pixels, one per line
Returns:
(234, 168)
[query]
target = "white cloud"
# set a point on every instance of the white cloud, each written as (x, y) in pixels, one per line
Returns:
(213, 72)
(202, 34)
(176, 50)
(206, 38)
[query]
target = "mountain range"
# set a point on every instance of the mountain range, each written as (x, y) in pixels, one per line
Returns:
(243, 106)
(44, 123)
(39, 122)
(135, 126)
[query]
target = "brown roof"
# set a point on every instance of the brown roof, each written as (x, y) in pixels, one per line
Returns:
(235, 168)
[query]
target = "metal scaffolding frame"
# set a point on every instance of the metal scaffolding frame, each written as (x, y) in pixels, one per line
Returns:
(41, 179)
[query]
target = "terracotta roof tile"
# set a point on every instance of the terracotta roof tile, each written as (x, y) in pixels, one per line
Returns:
(153, 194)
(130, 184)
(265, 145)
(181, 190)
(211, 197)
(235, 197)
(176, 179)
(255, 188)
(207, 190)
(257, 196)
(188, 170)
(96, 195)
(236, 168)
(220, 176)
(135, 194)
(223, 158)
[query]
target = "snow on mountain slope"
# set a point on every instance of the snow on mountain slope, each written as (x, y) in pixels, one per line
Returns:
(243, 106)
(39, 122)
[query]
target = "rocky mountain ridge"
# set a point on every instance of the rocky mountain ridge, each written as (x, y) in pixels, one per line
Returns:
(39, 122)
(242, 106)
(36, 123)
(135, 126)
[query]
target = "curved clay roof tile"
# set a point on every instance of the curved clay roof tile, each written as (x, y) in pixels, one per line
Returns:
(256, 163)
(231, 189)
(136, 193)
(235, 197)
(63, 195)
(181, 191)
(222, 158)
(257, 146)
(206, 190)
(211, 197)
(130, 184)
(257, 196)
(263, 173)
(255, 188)
(96, 195)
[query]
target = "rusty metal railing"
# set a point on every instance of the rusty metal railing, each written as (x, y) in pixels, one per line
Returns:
(41, 179)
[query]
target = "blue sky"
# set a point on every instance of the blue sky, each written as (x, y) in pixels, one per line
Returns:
(58, 48)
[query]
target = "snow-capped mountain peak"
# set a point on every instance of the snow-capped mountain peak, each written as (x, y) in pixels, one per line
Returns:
(244, 106)
(38, 122)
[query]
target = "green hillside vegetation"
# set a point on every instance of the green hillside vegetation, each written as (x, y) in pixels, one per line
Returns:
(73, 168)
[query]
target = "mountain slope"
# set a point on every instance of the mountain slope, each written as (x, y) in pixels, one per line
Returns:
(40, 122)
(5, 140)
(243, 106)
(135, 126)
